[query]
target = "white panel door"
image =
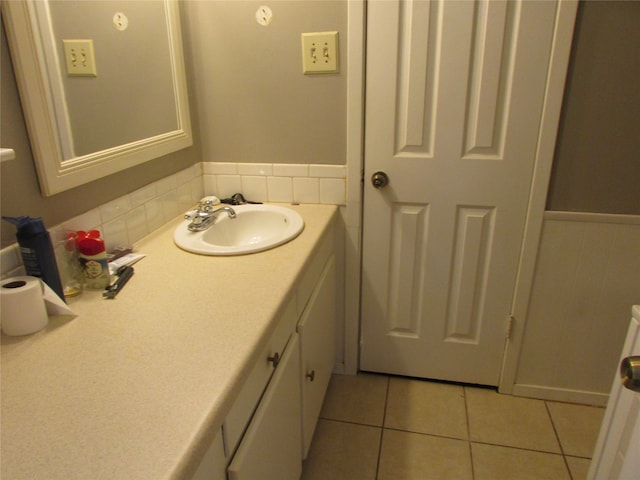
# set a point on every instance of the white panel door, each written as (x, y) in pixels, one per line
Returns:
(616, 455)
(454, 99)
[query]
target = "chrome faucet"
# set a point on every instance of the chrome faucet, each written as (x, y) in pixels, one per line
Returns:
(204, 216)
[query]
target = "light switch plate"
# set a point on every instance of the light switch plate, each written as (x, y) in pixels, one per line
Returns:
(79, 57)
(320, 52)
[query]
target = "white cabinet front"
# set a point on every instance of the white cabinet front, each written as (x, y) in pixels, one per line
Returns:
(317, 348)
(271, 446)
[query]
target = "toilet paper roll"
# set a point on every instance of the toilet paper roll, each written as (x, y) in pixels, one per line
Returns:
(24, 302)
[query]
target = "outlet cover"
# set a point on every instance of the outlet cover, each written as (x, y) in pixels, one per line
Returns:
(320, 53)
(79, 57)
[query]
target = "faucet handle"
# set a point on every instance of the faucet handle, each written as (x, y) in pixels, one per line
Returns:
(206, 206)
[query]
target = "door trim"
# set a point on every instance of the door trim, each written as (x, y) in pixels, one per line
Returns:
(355, 165)
(556, 77)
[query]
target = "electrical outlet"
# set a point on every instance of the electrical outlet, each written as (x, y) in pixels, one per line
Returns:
(320, 52)
(79, 57)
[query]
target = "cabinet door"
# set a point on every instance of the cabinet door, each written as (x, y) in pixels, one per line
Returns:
(256, 382)
(317, 347)
(271, 447)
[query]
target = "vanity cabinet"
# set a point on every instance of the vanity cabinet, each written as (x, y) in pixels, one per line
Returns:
(268, 431)
(251, 393)
(271, 447)
(317, 350)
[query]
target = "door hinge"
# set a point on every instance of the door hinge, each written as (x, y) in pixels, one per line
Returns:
(509, 327)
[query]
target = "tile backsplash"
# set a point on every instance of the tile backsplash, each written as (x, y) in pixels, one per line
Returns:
(127, 219)
(277, 182)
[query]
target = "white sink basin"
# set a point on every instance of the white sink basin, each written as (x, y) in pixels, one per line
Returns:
(255, 228)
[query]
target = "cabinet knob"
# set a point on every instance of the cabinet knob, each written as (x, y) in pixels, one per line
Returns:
(274, 359)
(311, 375)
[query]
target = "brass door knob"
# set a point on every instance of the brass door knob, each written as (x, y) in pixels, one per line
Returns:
(630, 373)
(379, 179)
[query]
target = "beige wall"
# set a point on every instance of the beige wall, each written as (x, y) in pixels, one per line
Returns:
(254, 104)
(250, 103)
(597, 163)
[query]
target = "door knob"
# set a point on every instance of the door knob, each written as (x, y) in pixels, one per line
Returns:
(379, 179)
(630, 373)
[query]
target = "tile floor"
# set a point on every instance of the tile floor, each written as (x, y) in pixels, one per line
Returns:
(379, 427)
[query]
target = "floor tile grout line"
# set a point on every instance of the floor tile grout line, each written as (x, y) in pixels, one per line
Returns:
(384, 417)
(533, 450)
(415, 432)
(466, 416)
(553, 425)
(383, 430)
(382, 425)
(447, 437)
(578, 456)
(352, 422)
(469, 441)
(555, 431)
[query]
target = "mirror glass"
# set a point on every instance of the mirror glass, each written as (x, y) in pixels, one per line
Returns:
(102, 84)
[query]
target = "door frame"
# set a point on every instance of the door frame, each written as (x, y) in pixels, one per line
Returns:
(352, 216)
(554, 94)
(556, 76)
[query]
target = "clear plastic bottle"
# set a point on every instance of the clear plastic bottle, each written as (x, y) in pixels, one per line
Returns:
(71, 274)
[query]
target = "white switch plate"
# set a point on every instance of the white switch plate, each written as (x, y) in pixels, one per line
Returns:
(79, 57)
(320, 52)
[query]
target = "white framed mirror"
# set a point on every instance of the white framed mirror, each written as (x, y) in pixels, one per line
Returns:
(131, 106)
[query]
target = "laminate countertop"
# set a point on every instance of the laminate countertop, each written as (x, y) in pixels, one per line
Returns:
(138, 386)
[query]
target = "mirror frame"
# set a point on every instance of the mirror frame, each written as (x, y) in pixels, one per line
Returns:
(49, 127)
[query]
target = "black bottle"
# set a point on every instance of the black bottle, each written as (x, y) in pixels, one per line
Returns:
(37, 252)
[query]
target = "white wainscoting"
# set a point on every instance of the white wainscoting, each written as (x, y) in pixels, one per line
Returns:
(587, 278)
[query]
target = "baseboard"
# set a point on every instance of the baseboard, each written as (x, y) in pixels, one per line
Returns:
(592, 217)
(339, 369)
(561, 394)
